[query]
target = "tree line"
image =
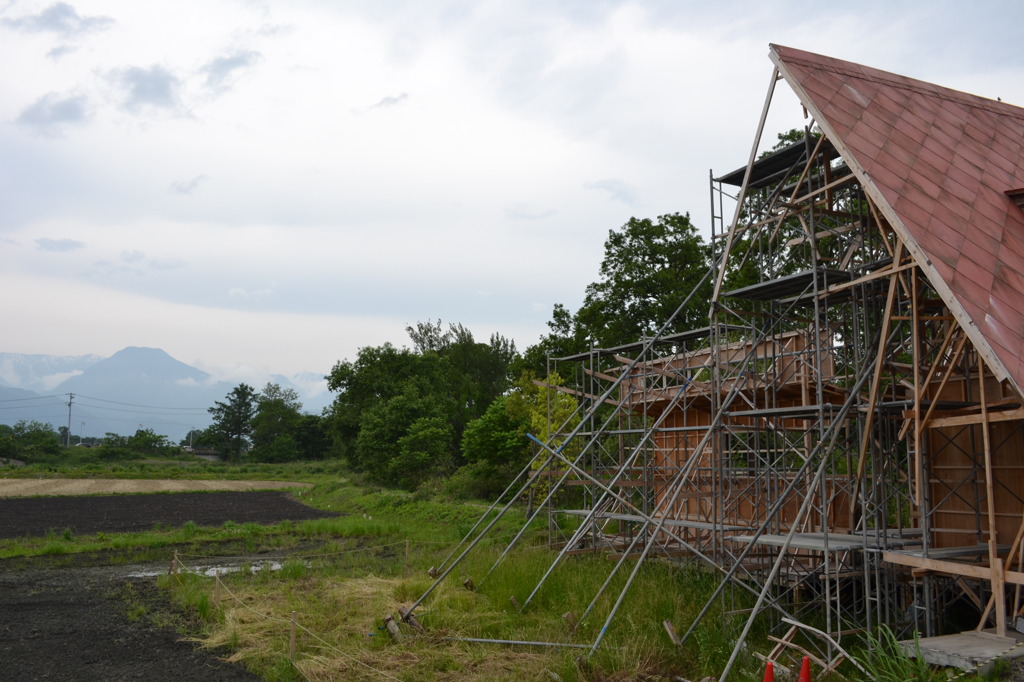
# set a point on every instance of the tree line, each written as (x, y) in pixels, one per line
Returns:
(445, 406)
(448, 406)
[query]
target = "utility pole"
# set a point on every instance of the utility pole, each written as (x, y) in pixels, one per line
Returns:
(71, 399)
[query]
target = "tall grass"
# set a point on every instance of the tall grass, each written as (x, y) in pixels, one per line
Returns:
(887, 661)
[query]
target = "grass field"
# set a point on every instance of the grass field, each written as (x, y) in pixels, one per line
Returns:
(342, 576)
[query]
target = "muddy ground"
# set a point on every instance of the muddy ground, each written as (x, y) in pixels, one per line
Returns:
(82, 617)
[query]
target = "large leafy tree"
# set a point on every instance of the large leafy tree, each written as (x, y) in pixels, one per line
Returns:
(649, 269)
(400, 413)
(232, 420)
(274, 425)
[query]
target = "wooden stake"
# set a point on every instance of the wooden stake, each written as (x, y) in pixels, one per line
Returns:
(392, 626)
(671, 632)
(291, 644)
(468, 584)
(515, 603)
(409, 618)
(570, 618)
(216, 587)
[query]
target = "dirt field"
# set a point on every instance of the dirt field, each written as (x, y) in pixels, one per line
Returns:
(34, 516)
(68, 617)
(73, 624)
(27, 487)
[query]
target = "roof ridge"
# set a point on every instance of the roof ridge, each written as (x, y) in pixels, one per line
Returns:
(874, 75)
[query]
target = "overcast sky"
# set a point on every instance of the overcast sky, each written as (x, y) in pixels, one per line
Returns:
(272, 185)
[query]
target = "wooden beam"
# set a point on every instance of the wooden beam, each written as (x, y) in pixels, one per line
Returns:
(571, 391)
(951, 567)
(990, 502)
(969, 419)
(876, 380)
(599, 375)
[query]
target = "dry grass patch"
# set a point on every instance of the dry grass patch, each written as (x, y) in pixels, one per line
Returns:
(341, 635)
(27, 487)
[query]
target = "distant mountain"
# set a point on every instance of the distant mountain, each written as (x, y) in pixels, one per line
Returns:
(42, 373)
(135, 387)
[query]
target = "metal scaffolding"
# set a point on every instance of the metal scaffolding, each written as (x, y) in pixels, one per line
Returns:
(828, 444)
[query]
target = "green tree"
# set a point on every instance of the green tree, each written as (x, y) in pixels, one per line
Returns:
(407, 438)
(400, 413)
(278, 411)
(36, 439)
(148, 442)
(312, 436)
(648, 270)
(232, 420)
(496, 445)
(378, 374)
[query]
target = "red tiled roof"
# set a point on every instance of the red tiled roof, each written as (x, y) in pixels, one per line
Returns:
(939, 164)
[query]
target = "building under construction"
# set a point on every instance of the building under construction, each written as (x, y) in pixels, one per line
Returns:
(842, 442)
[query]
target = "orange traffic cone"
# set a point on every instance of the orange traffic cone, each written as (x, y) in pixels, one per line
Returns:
(805, 670)
(769, 672)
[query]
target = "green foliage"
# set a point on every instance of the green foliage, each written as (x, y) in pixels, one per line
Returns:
(232, 420)
(648, 270)
(277, 416)
(29, 440)
(886, 660)
(400, 414)
(498, 438)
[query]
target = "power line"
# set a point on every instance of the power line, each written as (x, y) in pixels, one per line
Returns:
(154, 407)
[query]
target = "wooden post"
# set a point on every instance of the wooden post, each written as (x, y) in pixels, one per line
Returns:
(515, 603)
(996, 564)
(570, 619)
(671, 632)
(409, 618)
(392, 626)
(216, 587)
(291, 644)
(468, 584)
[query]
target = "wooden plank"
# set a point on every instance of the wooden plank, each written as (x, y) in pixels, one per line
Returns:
(951, 567)
(570, 391)
(600, 375)
(970, 419)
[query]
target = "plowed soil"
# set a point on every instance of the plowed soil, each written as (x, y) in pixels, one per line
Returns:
(72, 621)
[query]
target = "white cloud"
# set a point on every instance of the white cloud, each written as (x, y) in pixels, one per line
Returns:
(618, 190)
(47, 244)
(52, 381)
(222, 71)
(51, 114)
(143, 88)
(60, 18)
(187, 186)
(319, 175)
